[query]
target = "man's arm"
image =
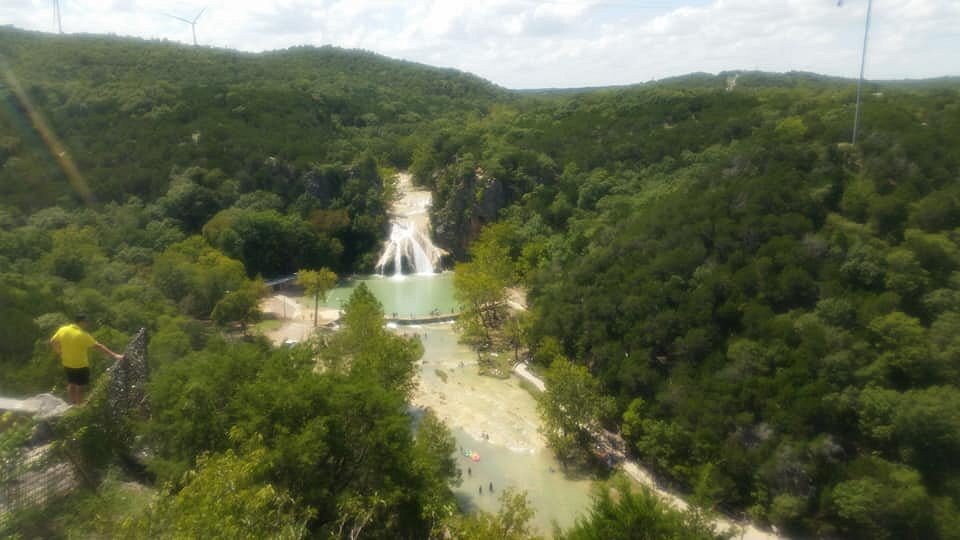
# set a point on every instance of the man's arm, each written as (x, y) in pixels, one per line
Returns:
(108, 352)
(55, 345)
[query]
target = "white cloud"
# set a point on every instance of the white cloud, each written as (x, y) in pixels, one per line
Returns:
(539, 43)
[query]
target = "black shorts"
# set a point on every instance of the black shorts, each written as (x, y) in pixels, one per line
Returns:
(79, 376)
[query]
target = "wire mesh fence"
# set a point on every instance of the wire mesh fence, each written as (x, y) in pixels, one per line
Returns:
(33, 477)
(35, 471)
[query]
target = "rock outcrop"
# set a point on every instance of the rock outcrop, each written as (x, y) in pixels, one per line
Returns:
(463, 207)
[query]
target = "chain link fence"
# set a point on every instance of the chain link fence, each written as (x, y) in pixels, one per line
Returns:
(32, 478)
(38, 461)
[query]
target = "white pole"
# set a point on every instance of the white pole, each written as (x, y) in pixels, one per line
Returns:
(863, 61)
(56, 12)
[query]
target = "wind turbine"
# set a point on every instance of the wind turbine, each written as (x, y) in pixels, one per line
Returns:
(193, 23)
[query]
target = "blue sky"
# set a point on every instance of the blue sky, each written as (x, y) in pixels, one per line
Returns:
(554, 43)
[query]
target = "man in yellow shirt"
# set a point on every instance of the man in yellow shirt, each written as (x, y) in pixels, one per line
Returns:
(71, 343)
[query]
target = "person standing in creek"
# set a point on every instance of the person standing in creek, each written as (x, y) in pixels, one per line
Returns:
(71, 343)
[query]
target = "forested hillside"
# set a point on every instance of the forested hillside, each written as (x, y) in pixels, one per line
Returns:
(774, 310)
(192, 131)
(131, 111)
(197, 171)
(143, 183)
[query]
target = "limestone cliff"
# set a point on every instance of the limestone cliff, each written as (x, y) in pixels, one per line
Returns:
(462, 206)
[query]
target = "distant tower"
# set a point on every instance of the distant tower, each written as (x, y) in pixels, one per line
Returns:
(193, 23)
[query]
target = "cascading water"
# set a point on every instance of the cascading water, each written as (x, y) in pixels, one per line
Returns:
(409, 246)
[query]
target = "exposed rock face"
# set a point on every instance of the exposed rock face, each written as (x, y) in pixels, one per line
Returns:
(460, 211)
(47, 405)
(327, 182)
(320, 186)
(41, 405)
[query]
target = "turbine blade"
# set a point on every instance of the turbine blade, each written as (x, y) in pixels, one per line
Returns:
(195, 19)
(178, 18)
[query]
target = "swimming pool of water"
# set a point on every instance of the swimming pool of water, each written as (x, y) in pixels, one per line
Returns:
(407, 296)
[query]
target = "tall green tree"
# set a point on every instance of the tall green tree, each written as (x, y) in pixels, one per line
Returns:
(571, 407)
(317, 283)
(620, 512)
(196, 276)
(481, 285)
(511, 522)
(226, 496)
(363, 346)
(435, 449)
(241, 305)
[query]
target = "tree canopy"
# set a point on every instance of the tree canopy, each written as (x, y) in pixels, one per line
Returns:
(769, 314)
(761, 299)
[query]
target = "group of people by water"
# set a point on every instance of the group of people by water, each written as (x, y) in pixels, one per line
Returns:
(480, 487)
(470, 471)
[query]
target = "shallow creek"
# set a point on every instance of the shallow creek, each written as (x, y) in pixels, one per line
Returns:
(498, 420)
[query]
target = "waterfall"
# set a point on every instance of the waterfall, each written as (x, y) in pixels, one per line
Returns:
(409, 246)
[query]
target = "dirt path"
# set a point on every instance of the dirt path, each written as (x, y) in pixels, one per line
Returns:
(524, 373)
(296, 322)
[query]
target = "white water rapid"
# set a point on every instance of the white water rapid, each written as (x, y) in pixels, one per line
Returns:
(409, 246)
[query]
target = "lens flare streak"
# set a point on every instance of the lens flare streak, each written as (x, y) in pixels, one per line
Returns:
(56, 147)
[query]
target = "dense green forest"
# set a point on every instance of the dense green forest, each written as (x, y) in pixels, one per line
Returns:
(150, 185)
(197, 132)
(769, 312)
(773, 310)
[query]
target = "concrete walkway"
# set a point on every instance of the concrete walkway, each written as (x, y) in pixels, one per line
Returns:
(426, 319)
(524, 373)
